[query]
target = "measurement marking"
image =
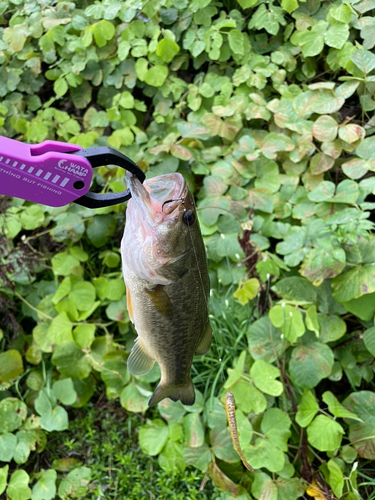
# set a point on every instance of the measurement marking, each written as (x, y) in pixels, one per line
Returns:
(22, 166)
(1, 158)
(7, 160)
(40, 171)
(30, 170)
(15, 163)
(55, 179)
(47, 176)
(64, 182)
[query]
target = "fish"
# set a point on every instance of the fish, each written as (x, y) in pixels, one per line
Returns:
(167, 284)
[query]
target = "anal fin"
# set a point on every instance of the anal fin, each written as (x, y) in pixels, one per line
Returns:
(129, 305)
(139, 362)
(205, 341)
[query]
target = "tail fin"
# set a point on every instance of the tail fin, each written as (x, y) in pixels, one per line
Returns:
(185, 393)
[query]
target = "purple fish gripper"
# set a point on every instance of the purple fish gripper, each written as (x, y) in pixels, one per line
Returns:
(46, 173)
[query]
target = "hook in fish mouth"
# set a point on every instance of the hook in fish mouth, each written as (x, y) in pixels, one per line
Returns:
(170, 201)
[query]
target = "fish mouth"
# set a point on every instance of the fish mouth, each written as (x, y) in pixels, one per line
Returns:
(160, 197)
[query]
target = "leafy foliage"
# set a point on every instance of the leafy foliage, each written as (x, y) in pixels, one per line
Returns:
(266, 109)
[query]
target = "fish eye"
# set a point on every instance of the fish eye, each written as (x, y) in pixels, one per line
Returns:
(189, 218)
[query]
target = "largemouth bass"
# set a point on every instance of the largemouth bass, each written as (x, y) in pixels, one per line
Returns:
(167, 285)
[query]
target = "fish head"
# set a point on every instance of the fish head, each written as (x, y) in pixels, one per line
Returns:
(160, 225)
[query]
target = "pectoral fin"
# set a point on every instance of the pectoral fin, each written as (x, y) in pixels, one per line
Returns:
(139, 362)
(160, 300)
(129, 305)
(205, 341)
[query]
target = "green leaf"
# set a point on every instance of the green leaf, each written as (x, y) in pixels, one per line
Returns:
(311, 320)
(8, 443)
(11, 365)
(264, 340)
(198, 457)
(13, 413)
(171, 458)
(83, 295)
(221, 480)
(289, 320)
(60, 329)
(264, 487)
(264, 375)
(3, 478)
(325, 434)
(167, 49)
(336, 478)
(133, 400)
(307, 409)
(153, 437)
(18, 488)
(156, 75)
(103, 32)
(369, 340)
(55, 420)
(289, 5)
(64, 391)
(337, 35)
(364, 60)
(84, 335)
(75, 485)
(236, 42)
(354, 283)
(309, 364)
(222, 445)
(325, 128)
(332, 327)
(71, 361)
(45, 488)
(336, 408)
(194, 430)
(60, 87)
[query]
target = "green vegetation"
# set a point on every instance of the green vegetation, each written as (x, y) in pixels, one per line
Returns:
(266, 108)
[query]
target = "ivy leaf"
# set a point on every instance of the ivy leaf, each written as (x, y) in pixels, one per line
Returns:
(332, 327)
(309, 364)
(307, 409)
(264, 375)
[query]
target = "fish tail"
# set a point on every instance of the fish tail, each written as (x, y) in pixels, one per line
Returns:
(185, 393)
